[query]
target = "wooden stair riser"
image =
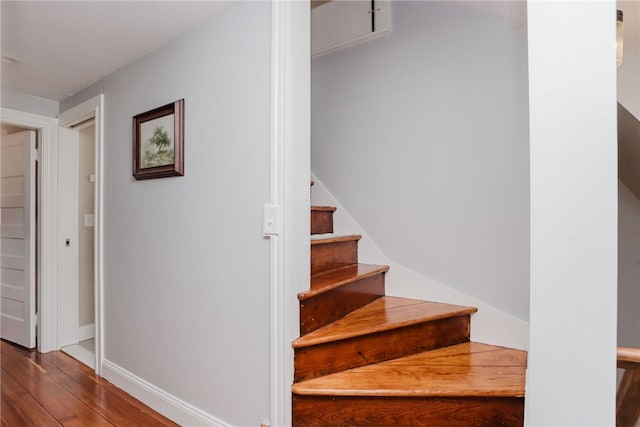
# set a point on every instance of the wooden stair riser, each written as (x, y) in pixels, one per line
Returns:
(628, 397)
(329, 306)
(328, 256)
(321, 221)
(311, 411)
(327, 358)
(348, 327)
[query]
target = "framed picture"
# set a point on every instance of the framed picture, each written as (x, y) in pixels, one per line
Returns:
(158, 142)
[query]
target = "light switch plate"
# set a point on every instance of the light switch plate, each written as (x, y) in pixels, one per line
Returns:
(271, 220)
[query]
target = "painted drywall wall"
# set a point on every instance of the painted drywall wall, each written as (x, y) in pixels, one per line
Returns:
(488, 324)
(86, 197)
(574, 219)
(629, 71)
(29, 103)
(186, 281)
(628, 268)
(422, 136)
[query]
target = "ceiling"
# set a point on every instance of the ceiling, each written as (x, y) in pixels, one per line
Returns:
(64, 46)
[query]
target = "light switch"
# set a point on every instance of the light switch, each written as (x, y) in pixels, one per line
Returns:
(92, 178)
(271, 220)
(89, 220)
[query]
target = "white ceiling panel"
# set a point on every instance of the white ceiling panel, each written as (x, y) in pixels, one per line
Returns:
(64, 46)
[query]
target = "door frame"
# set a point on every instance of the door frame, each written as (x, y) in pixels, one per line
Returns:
(47, 222)
(93, 109)
(290, 190)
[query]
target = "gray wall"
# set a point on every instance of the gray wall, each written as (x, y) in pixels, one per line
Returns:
(186, 266)
(86, 198)
(28, 103)
(422, 136)
(628, 268)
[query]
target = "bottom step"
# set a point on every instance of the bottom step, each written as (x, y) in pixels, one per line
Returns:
(468, 384)
(311, 411)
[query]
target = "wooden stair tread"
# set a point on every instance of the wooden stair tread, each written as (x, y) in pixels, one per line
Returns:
(333, 279)
(323, 208)
(323, 239)
(463, 370)
(385, 313)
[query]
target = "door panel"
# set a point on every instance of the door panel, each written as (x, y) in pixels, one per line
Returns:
(17, 239)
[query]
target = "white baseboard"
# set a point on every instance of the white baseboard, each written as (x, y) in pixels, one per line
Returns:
(81, 354)
(168, 405)
(86, 332)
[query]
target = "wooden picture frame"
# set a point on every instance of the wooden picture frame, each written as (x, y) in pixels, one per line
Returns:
(158, 142)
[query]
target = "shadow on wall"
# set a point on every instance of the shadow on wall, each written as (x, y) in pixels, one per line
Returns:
(629, 150)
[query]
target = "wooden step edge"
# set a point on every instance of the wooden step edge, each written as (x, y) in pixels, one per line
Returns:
(323, 208)
(628, 354)
(309, 340)
(319, 240)
(302, 389)
(315, 292)
(468, 372)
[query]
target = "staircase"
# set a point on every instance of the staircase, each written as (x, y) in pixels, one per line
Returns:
(367, 359)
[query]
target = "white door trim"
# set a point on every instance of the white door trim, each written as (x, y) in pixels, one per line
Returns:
(290, 174)
(47, 222)
(93, 108)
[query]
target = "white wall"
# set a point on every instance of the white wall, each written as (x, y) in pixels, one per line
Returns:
(422, 135)
(28, 103)
(572, 91)
(629, 71)
(186, 283)
(489, 324)
(86, 198)
(628, 268)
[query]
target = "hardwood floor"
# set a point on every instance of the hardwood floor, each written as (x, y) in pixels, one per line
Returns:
(54, 389)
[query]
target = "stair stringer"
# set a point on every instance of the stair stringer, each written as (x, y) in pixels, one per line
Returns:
(490, 324)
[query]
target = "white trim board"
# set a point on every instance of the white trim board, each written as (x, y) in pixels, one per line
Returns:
(168, 405)
(81, 354)
(94, 108)
(48, 222)
(290, 168)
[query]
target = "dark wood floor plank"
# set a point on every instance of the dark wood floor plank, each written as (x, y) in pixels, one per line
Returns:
(68, 391)
(114, 404)
(19, 408)
(117, 405)
(63, 405)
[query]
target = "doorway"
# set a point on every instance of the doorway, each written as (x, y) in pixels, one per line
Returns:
(79, 192)
(80, 139)
(54, 312)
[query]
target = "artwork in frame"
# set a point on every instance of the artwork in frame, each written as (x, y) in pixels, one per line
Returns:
(158, 142)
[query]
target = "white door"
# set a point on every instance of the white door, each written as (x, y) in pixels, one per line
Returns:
(18, 233)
